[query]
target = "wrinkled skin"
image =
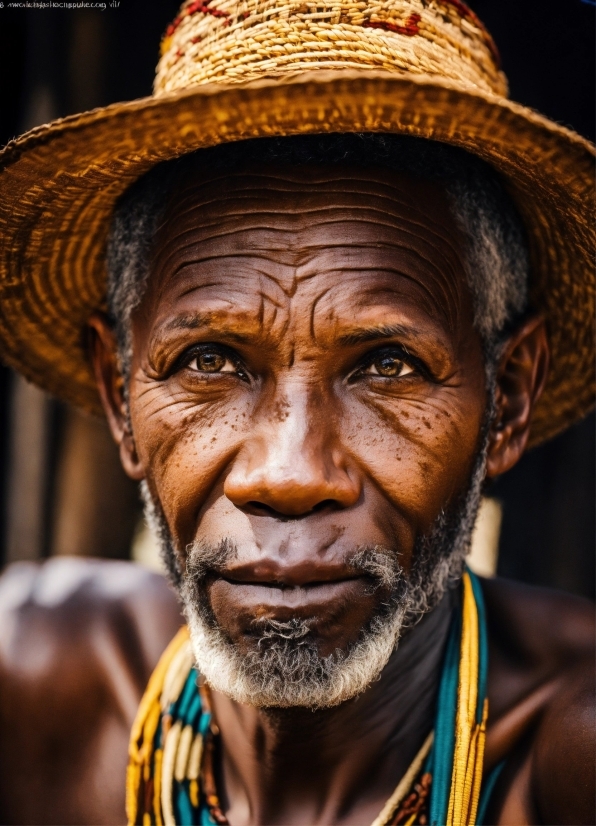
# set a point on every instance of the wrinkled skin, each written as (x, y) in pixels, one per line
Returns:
(302, 452)
(306, 379)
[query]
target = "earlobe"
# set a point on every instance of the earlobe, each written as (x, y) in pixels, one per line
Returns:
(128, 455)
(521, 375)
(110, 384)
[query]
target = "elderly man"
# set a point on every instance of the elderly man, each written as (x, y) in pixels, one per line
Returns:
(316, 351)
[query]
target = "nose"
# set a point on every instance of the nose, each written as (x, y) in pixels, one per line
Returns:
(293, 464)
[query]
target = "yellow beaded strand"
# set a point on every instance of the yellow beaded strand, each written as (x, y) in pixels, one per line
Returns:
(468, 754)
(140, 748)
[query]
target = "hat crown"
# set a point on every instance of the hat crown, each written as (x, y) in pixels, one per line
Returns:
(231, 41)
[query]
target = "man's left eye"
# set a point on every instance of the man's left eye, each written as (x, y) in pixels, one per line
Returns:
(388, 366)
(211, 361)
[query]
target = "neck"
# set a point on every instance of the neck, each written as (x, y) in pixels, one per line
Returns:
(335, 765)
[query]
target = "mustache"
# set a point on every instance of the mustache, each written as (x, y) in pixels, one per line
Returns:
(377, 562)
(203, 559)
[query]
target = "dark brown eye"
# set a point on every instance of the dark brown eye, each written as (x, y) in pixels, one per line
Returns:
(388, 367)
(212, 361)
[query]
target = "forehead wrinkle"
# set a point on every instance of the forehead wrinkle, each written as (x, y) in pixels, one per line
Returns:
(381, 189)
(266, 298)
(256, 271)
(384, 244)
(300, 174)
(380, 214)
(300, 243)
(172, 263)
(445, 275)
(427, 235)
(312, 313)
(310, 272)
(340, 212)
(189, 201)
(379, 296)
(273, 280)
(301, 179)
(443, 308)
(368, 215)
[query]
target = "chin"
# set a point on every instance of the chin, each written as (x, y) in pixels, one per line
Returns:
(282, 672)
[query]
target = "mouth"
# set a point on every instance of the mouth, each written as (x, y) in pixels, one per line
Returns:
(336, 596)
(325, 604)
(275, 594)
(268, 587)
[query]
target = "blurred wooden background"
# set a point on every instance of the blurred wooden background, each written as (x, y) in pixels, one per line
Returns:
(62, 490)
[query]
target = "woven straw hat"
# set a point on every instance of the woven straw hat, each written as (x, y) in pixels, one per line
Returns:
(234, 69)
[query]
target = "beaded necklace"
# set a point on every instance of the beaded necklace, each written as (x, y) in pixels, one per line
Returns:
(170, 776)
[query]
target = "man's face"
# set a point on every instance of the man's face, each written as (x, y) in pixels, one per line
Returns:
(306, 383)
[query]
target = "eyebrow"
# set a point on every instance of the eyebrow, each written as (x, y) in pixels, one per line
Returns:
(196, 321)
(375, 333)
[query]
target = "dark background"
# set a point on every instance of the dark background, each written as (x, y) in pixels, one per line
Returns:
(61, 488)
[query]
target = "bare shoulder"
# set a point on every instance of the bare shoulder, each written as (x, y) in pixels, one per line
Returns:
(551, 628)
(78, 641)
(66, 599)
(541, 693)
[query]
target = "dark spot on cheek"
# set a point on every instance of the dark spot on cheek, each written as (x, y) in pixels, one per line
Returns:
(427, 423)
(387, 417)
(187, 438)
(281, 410)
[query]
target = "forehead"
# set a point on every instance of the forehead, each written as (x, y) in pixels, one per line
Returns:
(292, 191)
(279, 230)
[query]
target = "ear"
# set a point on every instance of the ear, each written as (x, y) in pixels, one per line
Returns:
(521, 375)
(110, 383)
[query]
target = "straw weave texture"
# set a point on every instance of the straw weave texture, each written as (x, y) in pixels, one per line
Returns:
(230, 41)
(59, 182)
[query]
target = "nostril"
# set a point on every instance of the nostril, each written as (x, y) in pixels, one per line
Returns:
(326, 504)
(260, 509)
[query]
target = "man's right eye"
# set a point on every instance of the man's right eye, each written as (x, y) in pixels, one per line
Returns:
(211, 361)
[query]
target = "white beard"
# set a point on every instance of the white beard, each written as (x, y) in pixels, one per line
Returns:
(284, 668)
(287, 672)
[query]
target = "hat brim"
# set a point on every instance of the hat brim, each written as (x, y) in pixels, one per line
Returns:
(60, 182)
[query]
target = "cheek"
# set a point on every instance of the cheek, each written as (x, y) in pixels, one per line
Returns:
(185, 449)
(419, 452)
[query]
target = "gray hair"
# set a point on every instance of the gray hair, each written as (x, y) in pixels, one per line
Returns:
(496, 248)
